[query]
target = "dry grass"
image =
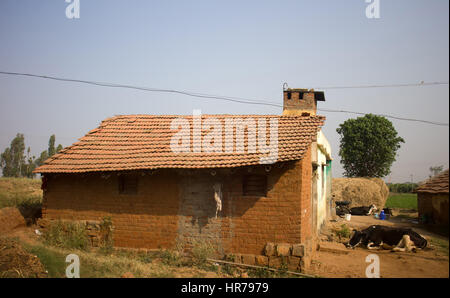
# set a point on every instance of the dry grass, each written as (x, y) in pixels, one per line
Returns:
(16, 192)
(94, 264)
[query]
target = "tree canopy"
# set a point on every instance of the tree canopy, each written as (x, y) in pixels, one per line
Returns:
(368, 146)
(14, 163)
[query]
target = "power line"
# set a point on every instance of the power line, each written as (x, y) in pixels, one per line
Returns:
(386, 86)
(104, 84)
(387, 116)
(235, 99)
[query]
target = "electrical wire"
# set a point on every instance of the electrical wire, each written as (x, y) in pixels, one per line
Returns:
(238, 99)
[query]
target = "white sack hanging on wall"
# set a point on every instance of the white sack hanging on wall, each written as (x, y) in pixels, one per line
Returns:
(218, 196)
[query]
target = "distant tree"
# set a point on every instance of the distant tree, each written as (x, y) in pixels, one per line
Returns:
(368, 146)
(12, 159)
(49, 152)
(29, 165)
(40, 160)
(59, 148)
(51, 146)
(436, 170)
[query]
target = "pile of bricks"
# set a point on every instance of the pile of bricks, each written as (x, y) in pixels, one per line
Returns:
(294, 257)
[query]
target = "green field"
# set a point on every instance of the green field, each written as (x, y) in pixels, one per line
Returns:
(402, 201)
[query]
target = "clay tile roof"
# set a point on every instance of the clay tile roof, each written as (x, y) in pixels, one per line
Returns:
(437, 184)
(135, 142)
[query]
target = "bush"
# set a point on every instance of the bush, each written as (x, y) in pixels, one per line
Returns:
(343, 232)
(170, 258)
(202, 251)
(66, 235)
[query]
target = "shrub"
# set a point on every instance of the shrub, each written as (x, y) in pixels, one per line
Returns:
(66, 235)
(343, 232)
(171, 258)
(202, 251)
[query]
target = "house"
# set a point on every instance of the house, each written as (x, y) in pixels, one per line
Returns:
(432, 200)
(236, 181)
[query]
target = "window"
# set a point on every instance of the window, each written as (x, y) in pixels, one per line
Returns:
(254, 185)
(128, 184)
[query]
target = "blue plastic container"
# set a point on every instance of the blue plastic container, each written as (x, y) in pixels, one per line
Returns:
(382, 215)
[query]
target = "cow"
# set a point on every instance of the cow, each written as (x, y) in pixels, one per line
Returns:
(382, 237)
(364, 210)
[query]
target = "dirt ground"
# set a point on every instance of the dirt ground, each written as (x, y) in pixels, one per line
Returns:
(333, 259)
(16, 262)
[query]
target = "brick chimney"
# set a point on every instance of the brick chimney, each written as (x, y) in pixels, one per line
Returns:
(300, 101)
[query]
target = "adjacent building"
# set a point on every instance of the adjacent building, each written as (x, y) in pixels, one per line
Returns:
(432, 200)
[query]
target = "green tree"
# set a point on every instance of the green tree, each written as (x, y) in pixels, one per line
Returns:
(12, 159)
(49, 152)
(29, 165)
(368, 146)
(41, 159)
(59, 148)
(51, 146)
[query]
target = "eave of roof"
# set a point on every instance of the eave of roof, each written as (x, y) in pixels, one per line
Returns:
(138, 142)
(436, 185)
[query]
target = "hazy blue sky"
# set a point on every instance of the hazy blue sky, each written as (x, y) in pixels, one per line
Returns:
(235, 48)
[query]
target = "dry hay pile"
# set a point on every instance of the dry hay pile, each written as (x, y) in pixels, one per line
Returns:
(360, 191)
(16, 262)
(10, 218)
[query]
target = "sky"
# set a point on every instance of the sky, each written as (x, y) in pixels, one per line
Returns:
(234, 48)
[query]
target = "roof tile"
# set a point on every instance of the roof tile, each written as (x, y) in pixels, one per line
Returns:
(143, 142)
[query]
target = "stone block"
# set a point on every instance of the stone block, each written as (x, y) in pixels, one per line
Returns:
(248, 259)
(298, 250)
(269, 250)
(294, 263)
(262, 260)
(283, 249)
(274, 262)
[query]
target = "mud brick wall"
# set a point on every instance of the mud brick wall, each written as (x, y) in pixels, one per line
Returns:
(434, 207)
(176, 208)
(148, 219)
(284, 215)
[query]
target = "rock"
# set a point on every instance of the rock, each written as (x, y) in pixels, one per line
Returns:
(274, 262)
(248, 259)
(294, 263)
(283, 249)
(298, 250)
(269, 250)
(262, 261)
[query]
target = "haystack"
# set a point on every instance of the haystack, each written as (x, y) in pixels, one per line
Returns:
(360, 191)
